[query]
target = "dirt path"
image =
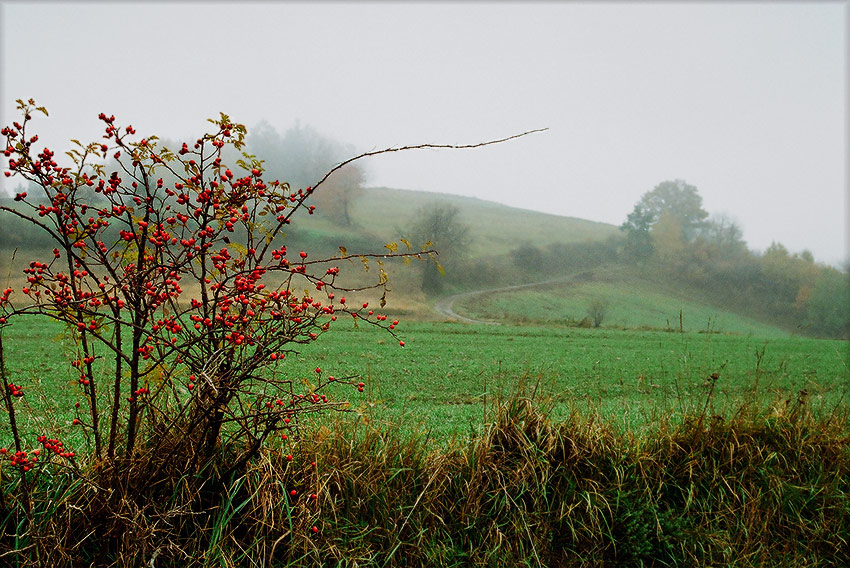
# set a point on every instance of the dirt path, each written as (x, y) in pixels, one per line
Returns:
(445, 306)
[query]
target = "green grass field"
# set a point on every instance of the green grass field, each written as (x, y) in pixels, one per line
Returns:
(448, 376)
(446, 371)
(630, 303)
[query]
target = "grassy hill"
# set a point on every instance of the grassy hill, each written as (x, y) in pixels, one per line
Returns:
(633, 301)
(629, 301)
(496, 229)
(381, 215)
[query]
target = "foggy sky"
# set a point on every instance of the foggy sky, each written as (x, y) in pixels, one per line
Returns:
(744, 101)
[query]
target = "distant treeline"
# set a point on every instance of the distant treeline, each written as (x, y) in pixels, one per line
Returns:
(710, 261)
(790, 290)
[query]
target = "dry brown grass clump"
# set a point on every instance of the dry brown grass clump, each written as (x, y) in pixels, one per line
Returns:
(769, 487)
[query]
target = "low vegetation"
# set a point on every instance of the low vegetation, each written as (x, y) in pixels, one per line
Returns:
(763, 486)
(167, 402)
(583, 446)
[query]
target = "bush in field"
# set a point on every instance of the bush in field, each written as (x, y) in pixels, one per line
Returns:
(180, 325)
(596, 311)
(170, 270)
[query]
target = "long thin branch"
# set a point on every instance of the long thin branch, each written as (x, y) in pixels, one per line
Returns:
(423, 147)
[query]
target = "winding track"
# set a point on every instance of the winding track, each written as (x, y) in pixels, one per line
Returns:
(445, 305)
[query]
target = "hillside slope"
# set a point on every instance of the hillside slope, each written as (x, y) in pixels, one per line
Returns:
(496, 229)
(566, 245)
(628, 301)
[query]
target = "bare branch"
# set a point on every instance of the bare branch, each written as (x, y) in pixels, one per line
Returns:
(423, 147)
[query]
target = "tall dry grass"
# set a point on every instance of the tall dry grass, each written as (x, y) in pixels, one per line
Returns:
(763, 487)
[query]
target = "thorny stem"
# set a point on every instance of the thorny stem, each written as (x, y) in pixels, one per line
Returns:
(116, 394)
(423, 147)
(13, 424)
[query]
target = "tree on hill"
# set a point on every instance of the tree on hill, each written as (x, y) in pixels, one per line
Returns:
(528, 257)
(597, 310)
(637, 228)
(339, 193)
(667, 235)
(724, 234)
(679, 200)
(303, 155)
(439, 225)
(828, 305)
(677, 204)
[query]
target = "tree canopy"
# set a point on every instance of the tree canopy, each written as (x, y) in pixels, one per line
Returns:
(302, 155)
(676, 205)
(679, 200)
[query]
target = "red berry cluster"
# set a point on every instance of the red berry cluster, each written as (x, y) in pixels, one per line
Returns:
(15, 390)
(137, 393)
(56, 446)
(21, 460)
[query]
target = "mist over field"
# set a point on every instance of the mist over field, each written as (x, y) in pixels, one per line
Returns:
(744, 102)
(424, 284)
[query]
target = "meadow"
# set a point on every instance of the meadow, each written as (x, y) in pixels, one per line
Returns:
(448, 376)
(630, 303)
(484, 445)
(446, 371)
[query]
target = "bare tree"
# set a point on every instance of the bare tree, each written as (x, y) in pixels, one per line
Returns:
(439, 224)
(339, 193)
(596, 311)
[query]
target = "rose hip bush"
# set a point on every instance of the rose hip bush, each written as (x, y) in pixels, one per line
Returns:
(172, 274)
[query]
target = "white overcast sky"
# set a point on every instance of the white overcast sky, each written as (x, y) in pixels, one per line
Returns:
(745, 101)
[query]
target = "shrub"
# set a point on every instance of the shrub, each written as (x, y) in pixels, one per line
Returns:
(171, 272)
(182, 302)
(596, 311)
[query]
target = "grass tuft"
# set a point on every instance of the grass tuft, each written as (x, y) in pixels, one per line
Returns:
(762, 486)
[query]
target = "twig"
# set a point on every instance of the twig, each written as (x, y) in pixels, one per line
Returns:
(423, 147)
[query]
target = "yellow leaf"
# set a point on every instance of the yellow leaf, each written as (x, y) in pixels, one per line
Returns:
(242, 250)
